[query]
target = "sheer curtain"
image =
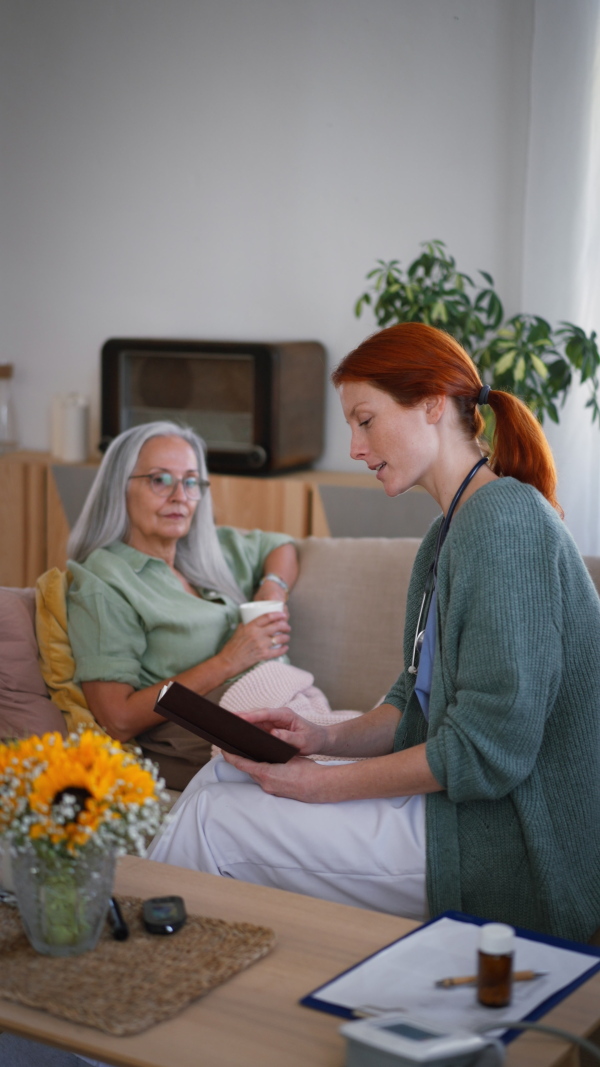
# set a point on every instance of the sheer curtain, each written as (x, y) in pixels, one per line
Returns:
(561, 249)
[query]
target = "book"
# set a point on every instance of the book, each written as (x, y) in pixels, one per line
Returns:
(221, 727)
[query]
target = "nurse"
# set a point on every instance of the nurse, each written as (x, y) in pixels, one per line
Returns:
(478, 786)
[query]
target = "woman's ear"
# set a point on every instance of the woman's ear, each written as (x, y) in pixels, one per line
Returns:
(435, 407)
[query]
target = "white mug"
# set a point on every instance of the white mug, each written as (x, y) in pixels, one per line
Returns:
(255, 608)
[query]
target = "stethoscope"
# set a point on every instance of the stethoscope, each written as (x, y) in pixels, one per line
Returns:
(432, 573)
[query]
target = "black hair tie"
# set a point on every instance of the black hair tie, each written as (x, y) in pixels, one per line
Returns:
(483, 396)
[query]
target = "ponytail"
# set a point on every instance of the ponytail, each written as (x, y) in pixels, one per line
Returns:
(519, 447)
(411, 361)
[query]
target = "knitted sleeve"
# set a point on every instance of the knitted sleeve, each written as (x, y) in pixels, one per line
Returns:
(499, 665)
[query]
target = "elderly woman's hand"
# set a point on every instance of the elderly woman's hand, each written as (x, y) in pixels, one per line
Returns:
(270, 591)
(262, 639)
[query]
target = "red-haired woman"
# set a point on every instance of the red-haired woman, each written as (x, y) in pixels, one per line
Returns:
(481, 790)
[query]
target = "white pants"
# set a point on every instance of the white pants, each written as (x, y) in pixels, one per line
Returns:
(368, 853)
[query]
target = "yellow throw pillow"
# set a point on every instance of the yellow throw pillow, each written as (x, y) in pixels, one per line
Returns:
(56, 657)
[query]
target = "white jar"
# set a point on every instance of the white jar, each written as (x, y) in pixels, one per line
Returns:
(70, 428)
(8, 432)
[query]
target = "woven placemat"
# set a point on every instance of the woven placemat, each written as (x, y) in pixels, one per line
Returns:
(123, 987)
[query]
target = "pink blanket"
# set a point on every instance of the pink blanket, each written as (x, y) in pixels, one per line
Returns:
(279, 685)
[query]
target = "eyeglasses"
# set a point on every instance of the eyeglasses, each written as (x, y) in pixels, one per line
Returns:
(165, 484)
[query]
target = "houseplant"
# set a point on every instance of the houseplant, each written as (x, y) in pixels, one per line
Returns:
(524, 354)
(68, 807)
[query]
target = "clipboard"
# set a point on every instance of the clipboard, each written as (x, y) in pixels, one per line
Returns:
(221, 727)
(335, 996)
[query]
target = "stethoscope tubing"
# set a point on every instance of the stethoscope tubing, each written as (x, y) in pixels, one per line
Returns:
(432, 573)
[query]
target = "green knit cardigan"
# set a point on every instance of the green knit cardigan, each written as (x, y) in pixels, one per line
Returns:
(514, 728)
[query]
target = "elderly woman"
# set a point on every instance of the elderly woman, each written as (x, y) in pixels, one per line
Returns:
(480, 790)
(156, 588)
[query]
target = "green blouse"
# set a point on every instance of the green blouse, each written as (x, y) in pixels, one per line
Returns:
(130, 619)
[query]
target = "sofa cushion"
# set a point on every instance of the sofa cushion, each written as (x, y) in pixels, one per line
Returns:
(56, 657)
(347, 615)
(25, 707)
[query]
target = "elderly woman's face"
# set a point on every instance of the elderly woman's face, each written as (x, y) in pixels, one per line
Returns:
(155, 520)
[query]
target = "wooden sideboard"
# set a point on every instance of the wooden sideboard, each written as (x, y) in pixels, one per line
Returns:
(40, 498)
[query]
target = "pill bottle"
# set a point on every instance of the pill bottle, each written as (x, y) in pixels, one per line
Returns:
(494, 976)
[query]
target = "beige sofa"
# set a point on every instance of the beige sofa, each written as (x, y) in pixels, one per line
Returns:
(347, 614)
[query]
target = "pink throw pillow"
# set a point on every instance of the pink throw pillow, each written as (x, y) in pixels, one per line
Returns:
(25, 707)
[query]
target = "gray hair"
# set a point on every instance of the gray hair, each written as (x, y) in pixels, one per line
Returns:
(104, 518)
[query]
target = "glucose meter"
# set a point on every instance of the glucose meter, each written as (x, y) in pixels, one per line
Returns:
(401, 1040)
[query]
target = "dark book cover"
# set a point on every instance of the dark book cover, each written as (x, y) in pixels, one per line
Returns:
(221, 727)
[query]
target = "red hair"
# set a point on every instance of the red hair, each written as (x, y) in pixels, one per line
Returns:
(412, 361)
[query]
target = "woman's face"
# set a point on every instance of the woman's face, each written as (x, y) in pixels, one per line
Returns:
(158, 520)
(400, 443)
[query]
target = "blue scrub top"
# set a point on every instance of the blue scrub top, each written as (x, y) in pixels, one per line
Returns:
(425, 670)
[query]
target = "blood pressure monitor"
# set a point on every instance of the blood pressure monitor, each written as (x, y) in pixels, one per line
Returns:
(401, 1040)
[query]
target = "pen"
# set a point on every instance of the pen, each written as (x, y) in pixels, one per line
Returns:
(471, 979)
(120, 928)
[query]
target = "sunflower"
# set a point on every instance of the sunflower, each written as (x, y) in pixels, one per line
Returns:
(68, 792)
(19, 762)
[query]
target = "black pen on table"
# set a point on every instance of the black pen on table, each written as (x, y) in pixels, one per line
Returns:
(120, 929)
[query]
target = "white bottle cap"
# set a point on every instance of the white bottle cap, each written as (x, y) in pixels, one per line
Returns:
(497, 939)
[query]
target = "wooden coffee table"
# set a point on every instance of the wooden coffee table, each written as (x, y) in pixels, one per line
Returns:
(254, 1020)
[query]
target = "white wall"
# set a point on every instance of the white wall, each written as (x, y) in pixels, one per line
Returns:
(561, 243)
(232, 168)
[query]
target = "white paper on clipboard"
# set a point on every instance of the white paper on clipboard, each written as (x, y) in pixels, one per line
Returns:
(402, 976)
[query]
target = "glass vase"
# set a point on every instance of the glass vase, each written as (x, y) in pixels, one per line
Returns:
(63, 901)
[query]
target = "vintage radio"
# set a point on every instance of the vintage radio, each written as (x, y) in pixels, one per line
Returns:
(258, 406)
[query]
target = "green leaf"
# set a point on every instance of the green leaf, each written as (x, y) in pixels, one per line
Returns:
(539, 333)
(539, 365)
(519, 373)
(495, 310)
(588, 366)
(505, 362)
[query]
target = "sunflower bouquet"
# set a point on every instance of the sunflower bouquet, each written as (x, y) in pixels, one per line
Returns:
(65, 794)
(68, 807)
